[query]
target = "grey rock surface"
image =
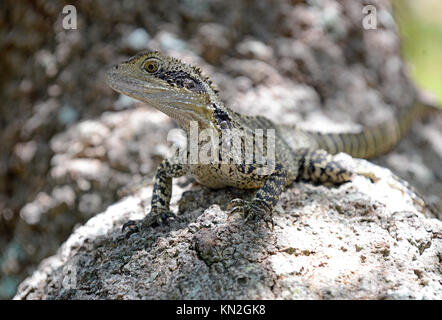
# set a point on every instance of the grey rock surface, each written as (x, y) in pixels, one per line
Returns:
(362, 240)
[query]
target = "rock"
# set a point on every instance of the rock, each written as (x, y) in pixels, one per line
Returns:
(361, 240)
(255, 49)
(138, 39)
(213, 40)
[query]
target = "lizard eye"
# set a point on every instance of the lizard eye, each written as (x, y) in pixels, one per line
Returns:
(151, 66)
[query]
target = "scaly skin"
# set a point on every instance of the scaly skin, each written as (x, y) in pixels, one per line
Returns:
(183, 93)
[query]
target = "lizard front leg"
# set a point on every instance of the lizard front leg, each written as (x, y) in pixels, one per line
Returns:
(262, 205)
(161, 195)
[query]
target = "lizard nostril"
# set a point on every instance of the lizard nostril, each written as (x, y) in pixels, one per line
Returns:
(116, 67)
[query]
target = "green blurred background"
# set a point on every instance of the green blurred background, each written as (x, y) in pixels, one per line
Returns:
(420, 25)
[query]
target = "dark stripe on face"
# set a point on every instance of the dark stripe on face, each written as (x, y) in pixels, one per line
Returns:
(181, 79)
(221, 117)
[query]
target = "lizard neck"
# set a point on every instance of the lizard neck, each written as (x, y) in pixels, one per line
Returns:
(215, 115)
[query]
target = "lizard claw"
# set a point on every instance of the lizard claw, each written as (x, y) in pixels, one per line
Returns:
(404, 187)
(132, 225)
(234, 206)
(252, 210)
(152, 219)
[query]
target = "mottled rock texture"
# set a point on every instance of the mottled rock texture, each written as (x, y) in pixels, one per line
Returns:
(351, 242)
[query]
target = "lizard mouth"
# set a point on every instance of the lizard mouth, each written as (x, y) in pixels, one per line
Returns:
(182, 104)
(131, 86)
(152, 94)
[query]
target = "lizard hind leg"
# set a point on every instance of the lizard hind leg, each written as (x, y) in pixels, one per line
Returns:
(318, 166)
(363, 167)
(404, 187)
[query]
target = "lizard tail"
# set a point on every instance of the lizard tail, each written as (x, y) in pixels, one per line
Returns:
(373, 141)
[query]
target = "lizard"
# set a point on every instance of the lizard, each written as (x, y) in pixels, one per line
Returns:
(185, 94)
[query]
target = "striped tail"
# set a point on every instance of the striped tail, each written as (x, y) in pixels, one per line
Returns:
(371, 141)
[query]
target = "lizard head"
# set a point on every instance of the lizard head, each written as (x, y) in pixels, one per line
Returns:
(169, 85)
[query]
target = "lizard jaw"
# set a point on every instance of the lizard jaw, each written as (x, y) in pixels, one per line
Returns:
(176, 104)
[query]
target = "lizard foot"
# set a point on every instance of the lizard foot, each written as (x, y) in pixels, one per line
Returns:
(253, 210)
(397, 183)
(369, 175)
(404, 187)
(151, 219)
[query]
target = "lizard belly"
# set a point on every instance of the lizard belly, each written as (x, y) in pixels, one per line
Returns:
(222, 175)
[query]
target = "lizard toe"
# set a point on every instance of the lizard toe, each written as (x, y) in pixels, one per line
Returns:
(234, 206)
(132, 226)
(151, 220)
(155, 218)
(253, 210)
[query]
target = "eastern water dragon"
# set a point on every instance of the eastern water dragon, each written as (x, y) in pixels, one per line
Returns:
(182, 92)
